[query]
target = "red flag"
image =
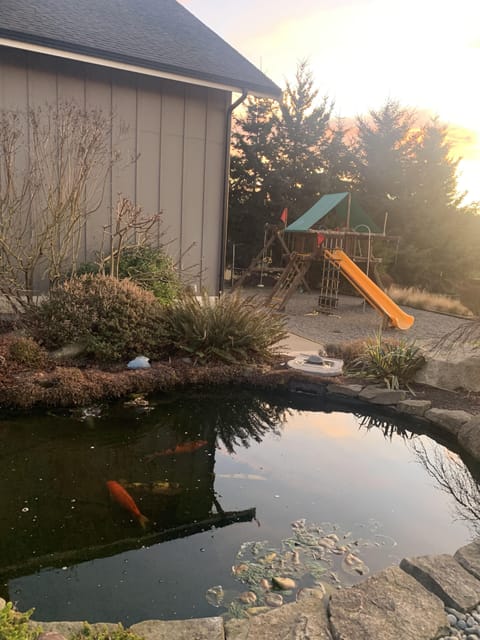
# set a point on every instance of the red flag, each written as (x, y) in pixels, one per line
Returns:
(284, 215)
(320, 239)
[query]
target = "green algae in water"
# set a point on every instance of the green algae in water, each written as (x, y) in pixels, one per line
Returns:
(315, 553)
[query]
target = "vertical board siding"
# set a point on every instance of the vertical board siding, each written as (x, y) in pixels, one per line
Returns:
(171, 164)
(98, 95)
(193, 181)
(171, 137)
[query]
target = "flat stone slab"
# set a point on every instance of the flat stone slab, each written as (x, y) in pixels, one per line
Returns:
(67, 628)
(196, 629)
(450, 420)
(414, 407)
(390, 605)
(469, 437)
(380, 395)
(389, 396)
(370, 392)
(350, 390)
(445, 577)
(306, 620)
(469, 557)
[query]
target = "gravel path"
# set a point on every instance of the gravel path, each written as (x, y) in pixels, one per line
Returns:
(354, 320)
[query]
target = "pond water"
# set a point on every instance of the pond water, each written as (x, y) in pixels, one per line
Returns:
(263, 483)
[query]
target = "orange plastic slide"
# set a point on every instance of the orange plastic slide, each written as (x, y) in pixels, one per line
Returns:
(369, 290)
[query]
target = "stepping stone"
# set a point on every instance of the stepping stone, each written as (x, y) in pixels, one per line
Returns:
(390, 605)
(303, 620)
(445, 577)
(414, 407)
(196, 629)
(469, 557)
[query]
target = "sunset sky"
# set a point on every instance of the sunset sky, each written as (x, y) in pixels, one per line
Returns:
(423, 53)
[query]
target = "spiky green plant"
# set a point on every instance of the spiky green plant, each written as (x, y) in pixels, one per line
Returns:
(15, 625)
(393, 362)
(230, 329)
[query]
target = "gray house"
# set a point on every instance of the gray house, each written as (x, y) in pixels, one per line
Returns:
(165, 74)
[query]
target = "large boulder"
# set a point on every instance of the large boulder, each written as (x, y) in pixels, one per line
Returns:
(451, 369)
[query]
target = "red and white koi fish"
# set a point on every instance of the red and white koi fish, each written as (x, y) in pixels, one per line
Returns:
(125, 500)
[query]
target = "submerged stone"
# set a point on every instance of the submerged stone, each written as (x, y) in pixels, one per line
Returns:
(283, 583)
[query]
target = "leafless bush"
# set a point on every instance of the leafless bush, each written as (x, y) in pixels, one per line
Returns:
(48, 156)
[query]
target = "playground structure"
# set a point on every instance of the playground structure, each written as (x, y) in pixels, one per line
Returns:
(341, 250)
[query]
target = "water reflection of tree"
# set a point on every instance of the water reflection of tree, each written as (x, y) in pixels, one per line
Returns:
(454, 478)
(245, 421)
(388, 428)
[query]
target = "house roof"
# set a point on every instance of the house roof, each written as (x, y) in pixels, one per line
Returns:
(326, 204)
(158, 35)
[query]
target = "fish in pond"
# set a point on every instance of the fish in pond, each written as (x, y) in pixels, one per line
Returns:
(163, 488)
(185, 447)
(125, 500)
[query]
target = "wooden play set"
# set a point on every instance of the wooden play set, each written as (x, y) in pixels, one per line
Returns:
(338, 236)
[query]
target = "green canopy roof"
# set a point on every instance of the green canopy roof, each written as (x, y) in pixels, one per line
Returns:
(339, 202)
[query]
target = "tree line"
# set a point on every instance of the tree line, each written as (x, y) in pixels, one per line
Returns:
(289, 154)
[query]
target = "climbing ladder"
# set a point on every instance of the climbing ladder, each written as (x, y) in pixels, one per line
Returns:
(292, 276)
(328, 297)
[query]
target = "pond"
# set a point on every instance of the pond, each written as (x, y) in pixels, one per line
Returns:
(269, 485)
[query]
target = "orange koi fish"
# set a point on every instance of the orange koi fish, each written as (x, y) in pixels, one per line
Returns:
(186, 447)
(125, 500)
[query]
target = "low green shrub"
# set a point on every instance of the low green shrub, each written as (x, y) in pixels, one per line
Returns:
(150, 268)
(229, 329)
(26, 351)
(114, 319)
(15, 625)
(394, 362)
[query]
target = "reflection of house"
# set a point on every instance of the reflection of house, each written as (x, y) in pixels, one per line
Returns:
(164, 74)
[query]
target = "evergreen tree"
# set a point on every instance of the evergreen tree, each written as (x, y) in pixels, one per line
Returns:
(285, 156)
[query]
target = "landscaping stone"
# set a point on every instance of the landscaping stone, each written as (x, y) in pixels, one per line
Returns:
(390, 605)
(469, 557)
(388, 396)
(450, 420)
(196, 629)
(453, 369)
(304, 385)
(445, 577)
(469, 437)
(414, 407)
(67, 628)
(380, 395)
(295, 621)
(370, 392)
(350, 390)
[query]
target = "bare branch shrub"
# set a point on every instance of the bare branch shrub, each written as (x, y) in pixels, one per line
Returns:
(48, 155)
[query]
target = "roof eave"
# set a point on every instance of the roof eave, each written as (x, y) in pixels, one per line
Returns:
(133, 65)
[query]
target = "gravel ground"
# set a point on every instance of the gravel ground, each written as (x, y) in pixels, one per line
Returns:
(354, 320)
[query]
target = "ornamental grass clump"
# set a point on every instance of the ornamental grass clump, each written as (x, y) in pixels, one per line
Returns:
(113, 319)
(394, 362)
(228, 329)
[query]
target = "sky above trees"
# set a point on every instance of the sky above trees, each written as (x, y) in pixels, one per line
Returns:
(423, 53)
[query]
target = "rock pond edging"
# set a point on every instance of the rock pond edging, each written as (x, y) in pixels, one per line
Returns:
(399, 603)
(412, 601)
